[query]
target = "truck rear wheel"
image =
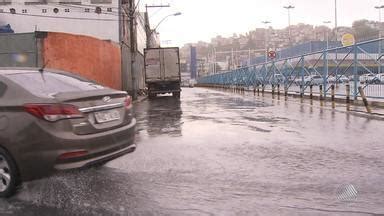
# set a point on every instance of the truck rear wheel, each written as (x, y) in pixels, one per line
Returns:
(151, 95)
(176, 94)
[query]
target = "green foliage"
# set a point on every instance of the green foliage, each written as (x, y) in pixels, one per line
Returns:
(364, 30)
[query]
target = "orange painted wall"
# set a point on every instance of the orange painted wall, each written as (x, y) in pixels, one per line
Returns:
(89, 57)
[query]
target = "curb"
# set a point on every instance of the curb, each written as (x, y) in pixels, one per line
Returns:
(360, 113)
(377, 104)
(140, 99)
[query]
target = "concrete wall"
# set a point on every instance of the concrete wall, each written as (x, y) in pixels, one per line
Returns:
(138, 82)
(89, 57)
(140, 71)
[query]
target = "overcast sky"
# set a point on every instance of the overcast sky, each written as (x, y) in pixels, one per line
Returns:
(204, 19)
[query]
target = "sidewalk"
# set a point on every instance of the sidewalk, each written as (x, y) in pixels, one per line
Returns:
(140, 98)
(340, 105)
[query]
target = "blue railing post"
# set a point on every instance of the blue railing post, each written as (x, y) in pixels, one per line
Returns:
(264, 74)
(355, 73)
(325, 72)
(286, 73)
(273, 71)
(254, 76)
(358, 59)
(302, 76)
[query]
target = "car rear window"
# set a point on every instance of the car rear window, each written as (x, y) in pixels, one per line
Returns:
(48, 84)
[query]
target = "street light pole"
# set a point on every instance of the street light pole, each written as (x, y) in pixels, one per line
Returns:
(336, 20)
(289, 7)
(380, 45)
(266, 39)
(336, 35)
(162, 20)
(326, 53)
(327, 22)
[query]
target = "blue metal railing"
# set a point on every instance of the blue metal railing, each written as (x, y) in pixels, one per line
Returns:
(356, 65)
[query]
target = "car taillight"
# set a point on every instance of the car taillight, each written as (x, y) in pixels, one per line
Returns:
(128, 102)
(53, 112)
(70, 155)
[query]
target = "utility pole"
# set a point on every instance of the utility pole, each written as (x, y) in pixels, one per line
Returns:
(336, 36)
(249, 57)
(289, 7)
(148, 30)
(122, 44)
(214, 60)
(133, 45)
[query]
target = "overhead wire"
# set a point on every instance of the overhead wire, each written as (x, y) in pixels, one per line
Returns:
(137, 5)
(59, 17)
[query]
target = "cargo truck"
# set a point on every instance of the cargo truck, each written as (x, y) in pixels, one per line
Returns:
(162, 71)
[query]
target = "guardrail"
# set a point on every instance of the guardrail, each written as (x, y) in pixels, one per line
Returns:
(339, 70)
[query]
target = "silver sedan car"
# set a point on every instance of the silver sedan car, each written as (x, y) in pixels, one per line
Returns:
(53, 120)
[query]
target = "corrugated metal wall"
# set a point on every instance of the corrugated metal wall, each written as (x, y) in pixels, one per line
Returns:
(18, 50)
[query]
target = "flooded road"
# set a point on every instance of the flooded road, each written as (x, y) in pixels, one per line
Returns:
(218, 153)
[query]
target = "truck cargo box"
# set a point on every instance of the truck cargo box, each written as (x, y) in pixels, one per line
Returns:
(162, 71)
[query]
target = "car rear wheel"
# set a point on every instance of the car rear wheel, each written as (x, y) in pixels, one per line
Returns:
(9, 178)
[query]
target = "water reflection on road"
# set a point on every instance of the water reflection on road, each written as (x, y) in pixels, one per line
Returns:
(217, 153)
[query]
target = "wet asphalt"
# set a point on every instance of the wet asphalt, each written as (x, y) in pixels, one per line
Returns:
(220, 153)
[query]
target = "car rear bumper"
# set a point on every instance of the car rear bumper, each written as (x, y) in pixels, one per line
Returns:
(96, 160)
(101, 147)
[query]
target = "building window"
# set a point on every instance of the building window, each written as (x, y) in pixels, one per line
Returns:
(24, 11)
(43, 10)
(56, 10)
(35, 2)
(109, 9)
(101, 1)
(86, 10)
(5, 2)
(98, 10)
(66, 10)
(12, 10)
(76, 2)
